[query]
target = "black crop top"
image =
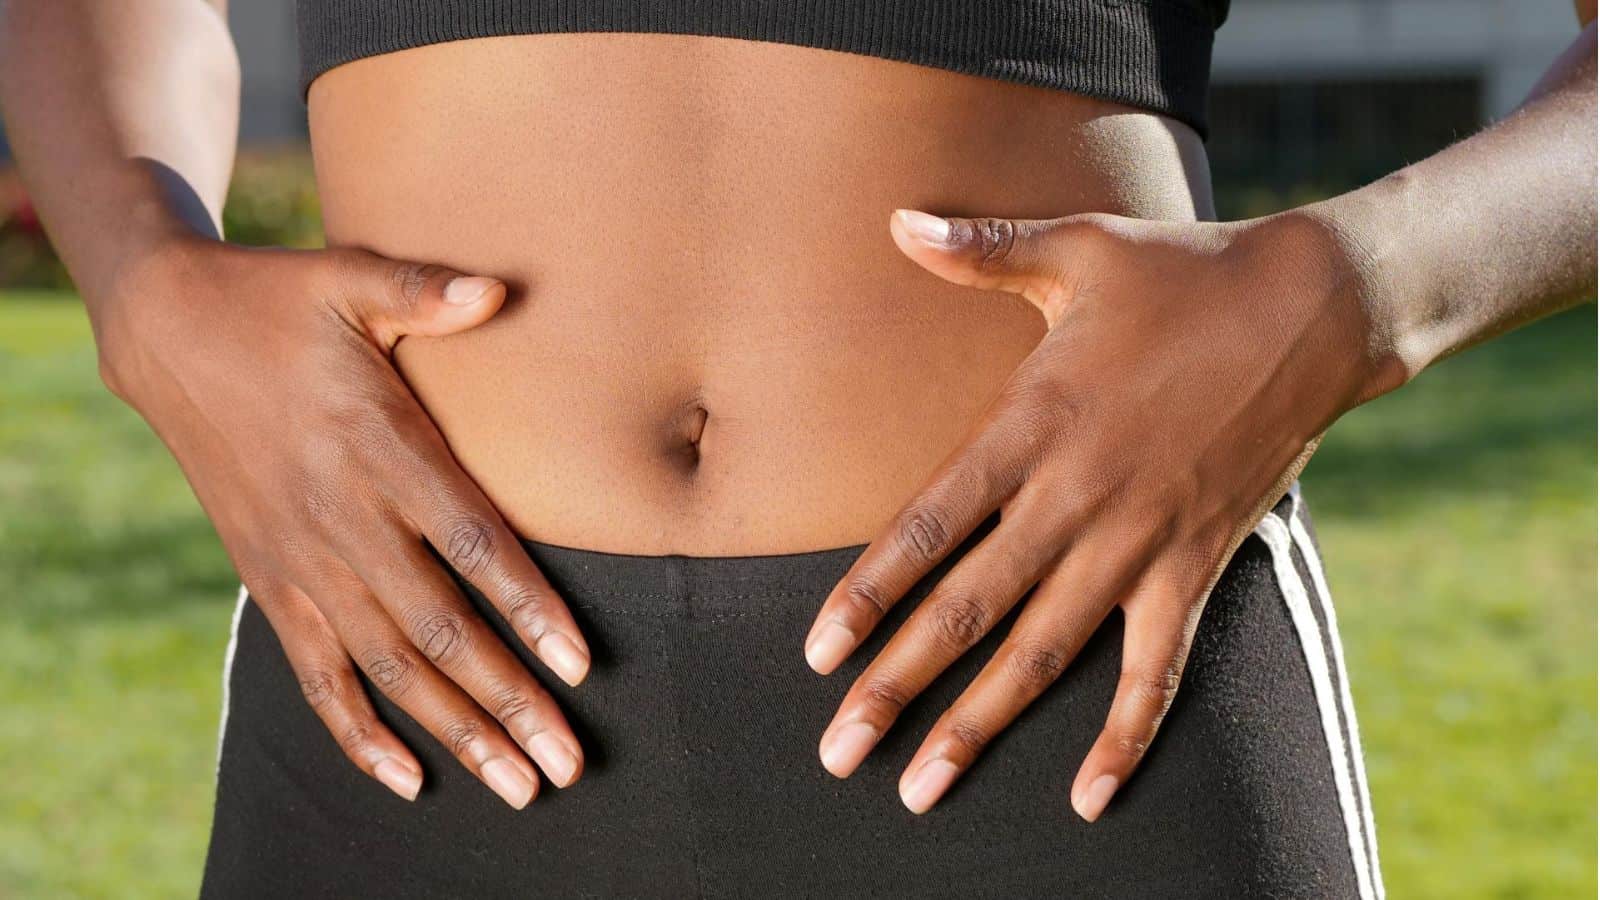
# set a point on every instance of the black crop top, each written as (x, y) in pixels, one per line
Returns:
(1154, 54)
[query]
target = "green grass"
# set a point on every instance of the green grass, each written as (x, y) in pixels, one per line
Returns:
(1459, 520)
(1458, 517)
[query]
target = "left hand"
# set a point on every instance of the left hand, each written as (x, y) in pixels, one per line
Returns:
(1187, 373)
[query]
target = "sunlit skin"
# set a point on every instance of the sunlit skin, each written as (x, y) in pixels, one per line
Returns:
(651, 294)
(712, 345)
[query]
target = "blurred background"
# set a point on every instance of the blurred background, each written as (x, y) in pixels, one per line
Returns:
(1458, 517)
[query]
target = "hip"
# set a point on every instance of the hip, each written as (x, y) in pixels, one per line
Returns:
(700, 720)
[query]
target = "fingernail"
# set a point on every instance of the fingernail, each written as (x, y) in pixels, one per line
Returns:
(845, 747)
(554, 758)
(827, 647)
(924, 227)
(564, 658)
(505, 779)
(466, 289)
(1094, 800)
(928, 784)
(398, 778)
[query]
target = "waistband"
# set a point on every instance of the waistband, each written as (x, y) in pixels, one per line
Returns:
(709, 586)
(694, 586)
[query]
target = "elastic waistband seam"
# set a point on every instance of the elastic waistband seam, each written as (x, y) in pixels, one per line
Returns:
(716, 597)
(680, 612)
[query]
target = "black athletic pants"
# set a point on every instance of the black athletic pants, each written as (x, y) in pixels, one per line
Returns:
(701, 719)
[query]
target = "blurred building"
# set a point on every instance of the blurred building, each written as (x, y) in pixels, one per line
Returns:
(271, 110)
(1313, 96)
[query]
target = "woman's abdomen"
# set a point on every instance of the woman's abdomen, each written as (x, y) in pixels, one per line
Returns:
(712, 345)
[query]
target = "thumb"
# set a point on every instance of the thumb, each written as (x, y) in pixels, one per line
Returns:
(1020, 256)
(389, 299)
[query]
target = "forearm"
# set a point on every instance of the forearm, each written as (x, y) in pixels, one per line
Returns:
(123, 119)
(1488, 234)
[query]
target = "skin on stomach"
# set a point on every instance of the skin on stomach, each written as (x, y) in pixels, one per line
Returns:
(712, 346)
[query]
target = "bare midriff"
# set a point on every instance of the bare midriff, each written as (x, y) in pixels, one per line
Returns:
(712, 345)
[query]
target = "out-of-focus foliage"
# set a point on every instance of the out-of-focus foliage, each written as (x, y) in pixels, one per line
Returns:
(272, 202)
(25, 255)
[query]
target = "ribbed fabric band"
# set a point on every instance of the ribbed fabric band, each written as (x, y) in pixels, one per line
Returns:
(1154, 54)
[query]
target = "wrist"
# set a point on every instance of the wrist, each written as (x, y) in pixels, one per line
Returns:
(1341, 272)
(156, 214)
(150, 275)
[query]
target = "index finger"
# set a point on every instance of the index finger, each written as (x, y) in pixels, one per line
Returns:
(452, 512)
(966, 489)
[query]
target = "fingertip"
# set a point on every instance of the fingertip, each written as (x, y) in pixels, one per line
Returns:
(463, 303)
(923, 227)
(466, 290)
(556, 759)
(843, 748)
(495, 296)
(516, 787)
(828, 646)
(943, 247)
(816, 662)
(1091, 802)
(404, 780)
(564, 657)
(923, 789)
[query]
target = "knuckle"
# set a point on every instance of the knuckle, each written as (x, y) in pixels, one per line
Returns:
(408, 279)
(258, 578)
(111, 375)
(440, 632)
(524, 610)
(317, 504)
(1065, 499)
(1130, 744)
(885, 695)
(1035, 666)
(349, 262)
(344, 267)
(924, 533)
(319, 687)
(509, 702)
(1021, 454)
(866, 598)
(345, 277)
(1055, 395)
(392, 670)
(968, 735)
(959, 621)
(354, 739)
(302, 552)
(362, 421)
(995, 238)
(1045, 406)
(469, 545)
(459, 734)
(1095, 229)
(327, 458)
(1152, 691)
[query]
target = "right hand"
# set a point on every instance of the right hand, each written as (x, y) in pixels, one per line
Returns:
(267, 373)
